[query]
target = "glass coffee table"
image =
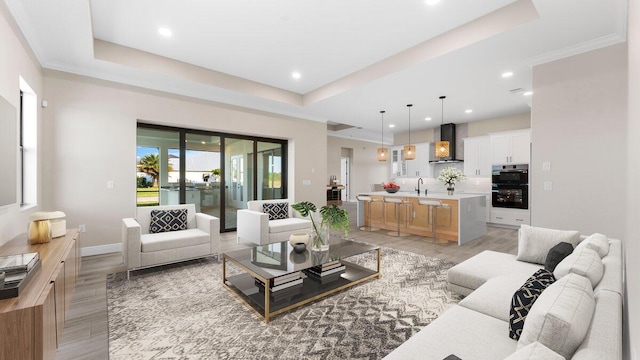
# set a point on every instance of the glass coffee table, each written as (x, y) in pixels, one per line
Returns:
(271, 279)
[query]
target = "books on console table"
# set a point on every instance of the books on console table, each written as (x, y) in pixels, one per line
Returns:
(18, 263)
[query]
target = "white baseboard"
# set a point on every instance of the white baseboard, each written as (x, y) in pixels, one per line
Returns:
(101, 249)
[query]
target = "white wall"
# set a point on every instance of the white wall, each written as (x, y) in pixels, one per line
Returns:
(91, 139)
(632, 191)
(16, 60)
(365, 168)
(578, 123)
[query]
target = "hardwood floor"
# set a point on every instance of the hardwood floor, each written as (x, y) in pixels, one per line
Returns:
(86, 330)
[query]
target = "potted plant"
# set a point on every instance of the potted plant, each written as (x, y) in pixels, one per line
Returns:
(216, 174)
(332, 218)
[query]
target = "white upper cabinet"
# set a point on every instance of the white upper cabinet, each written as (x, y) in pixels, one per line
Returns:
(477, 156)
(418, 167)
(511, 147)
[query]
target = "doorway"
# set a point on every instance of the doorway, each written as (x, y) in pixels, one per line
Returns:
(216, 172)
(344, 176)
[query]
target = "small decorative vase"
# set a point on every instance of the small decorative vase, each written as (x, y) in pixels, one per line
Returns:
(450, 190)
(299, 238)
(39, 232)
(321, 240)
(300, 247)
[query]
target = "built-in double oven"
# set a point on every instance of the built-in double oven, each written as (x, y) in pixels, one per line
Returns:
(510, 186)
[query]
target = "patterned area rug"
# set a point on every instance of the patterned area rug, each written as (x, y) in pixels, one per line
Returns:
(183, 312)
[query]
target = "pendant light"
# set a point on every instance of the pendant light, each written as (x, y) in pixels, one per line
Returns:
(409, 150)
(383, 152)
(442, 147)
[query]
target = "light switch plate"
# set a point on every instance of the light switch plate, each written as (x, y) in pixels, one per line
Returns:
(548, 185)
(306, 182)
(110, 184)
(546, 165)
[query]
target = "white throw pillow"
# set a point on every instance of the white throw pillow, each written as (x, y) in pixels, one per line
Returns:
(535, 351)
(597, 242)
(561, 316)
(534, 243)
(585, 263)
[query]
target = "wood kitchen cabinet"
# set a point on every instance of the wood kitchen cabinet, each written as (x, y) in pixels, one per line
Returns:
(477, 156)
(414, 219)
(32, 323)
(511, 147)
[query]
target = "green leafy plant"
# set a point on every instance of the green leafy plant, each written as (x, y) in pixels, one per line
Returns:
(332, 217)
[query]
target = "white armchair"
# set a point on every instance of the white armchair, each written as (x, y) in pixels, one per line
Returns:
(253, 224)
(201, 238)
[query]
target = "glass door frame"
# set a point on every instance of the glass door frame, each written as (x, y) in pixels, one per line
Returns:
(223, 136)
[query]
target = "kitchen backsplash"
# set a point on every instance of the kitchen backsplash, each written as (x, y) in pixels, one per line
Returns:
(470, 185)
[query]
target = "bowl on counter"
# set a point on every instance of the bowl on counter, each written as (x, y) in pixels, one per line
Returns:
(391, 190)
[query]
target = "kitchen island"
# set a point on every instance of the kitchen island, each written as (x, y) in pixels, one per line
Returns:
(464, 221)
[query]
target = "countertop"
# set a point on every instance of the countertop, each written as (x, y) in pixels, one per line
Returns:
(431, 195)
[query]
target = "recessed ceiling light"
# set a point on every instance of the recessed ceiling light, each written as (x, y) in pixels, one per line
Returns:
(427, 119)
(528, 93)
(431, 2)
(507, 74)
(296, 75)
(468, 111)
(391, 126)
(164, 32)
(202, 142)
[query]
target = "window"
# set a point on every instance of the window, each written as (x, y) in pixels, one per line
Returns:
(28, 145)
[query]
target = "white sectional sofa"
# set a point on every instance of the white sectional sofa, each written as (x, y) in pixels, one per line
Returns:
(254, 226)
(201, 238)
(478, 327)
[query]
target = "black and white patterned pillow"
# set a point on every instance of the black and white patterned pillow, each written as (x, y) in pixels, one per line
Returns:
(168, 220)
(276, 211)
(524, 298)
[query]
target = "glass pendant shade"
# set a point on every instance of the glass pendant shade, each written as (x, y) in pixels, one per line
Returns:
(383, 154)
(409, 152)
(442, 149)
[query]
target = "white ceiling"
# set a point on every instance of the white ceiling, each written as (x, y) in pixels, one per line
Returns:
(356, 57)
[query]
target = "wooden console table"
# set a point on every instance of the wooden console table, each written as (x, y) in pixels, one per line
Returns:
(31, 324)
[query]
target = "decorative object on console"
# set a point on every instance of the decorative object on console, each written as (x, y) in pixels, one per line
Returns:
(449, 176)
(409, 149)
(332, 218)
(46, 225)
(383, 152)
(442, 147)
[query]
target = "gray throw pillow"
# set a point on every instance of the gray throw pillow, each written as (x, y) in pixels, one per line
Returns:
(557, 254)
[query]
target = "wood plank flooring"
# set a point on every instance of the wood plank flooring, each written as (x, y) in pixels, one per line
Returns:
(85, 334)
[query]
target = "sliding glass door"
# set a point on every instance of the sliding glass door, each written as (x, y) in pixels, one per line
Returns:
(216, 172)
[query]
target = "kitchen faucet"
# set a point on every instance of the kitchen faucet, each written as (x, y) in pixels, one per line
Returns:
(419, 182)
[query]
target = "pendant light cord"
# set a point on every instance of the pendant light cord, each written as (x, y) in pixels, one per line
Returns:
(409, 106)
(381, 128)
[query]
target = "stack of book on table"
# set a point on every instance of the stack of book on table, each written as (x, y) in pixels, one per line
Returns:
(327, 272)
(17, 270)
(283, 286)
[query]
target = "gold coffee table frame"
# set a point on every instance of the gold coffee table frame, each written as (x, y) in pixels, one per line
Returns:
(363, 274)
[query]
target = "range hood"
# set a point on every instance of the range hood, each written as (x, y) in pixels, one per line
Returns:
(447, 133)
